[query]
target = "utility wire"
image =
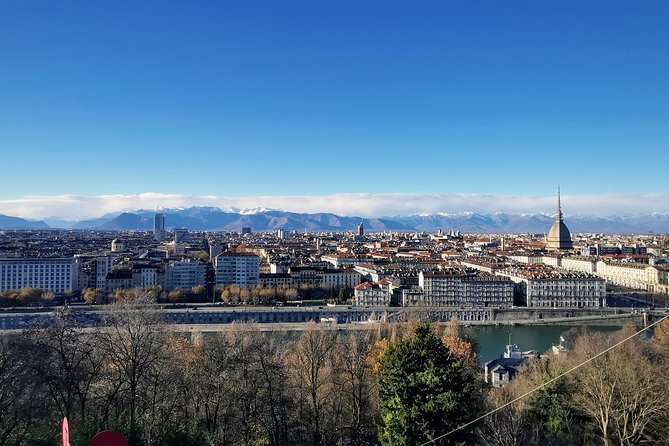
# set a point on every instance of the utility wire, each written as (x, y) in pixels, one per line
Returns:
(459, 428)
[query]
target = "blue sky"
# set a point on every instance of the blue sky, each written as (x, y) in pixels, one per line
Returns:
(317, 98)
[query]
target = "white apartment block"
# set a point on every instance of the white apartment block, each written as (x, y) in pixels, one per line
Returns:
(145, 277)
(368, 294)
(55, 274)
(639, 276)
(631, 275)
(184, 275)
(548, 288)
(582, 264)
(658, 279)
(340, 278)
(233, 268)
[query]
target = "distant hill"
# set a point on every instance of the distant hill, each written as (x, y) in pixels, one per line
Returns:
(7, 222)
(214, 219)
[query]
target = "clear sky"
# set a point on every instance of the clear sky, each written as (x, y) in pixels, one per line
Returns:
(288, 98)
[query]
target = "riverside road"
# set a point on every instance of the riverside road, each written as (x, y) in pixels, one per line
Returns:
(212, 316)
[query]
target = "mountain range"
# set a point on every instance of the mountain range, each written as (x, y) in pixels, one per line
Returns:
(208, 218)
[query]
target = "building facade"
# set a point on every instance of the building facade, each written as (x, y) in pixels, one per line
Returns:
(184, 275)
(233, 268)
(54, 274)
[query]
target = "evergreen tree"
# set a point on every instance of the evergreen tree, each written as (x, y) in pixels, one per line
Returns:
(425, 391)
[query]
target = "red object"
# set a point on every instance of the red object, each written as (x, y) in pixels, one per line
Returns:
(108, 438)
(66, 433)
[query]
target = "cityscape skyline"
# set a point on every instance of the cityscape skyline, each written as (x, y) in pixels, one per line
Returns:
(287, 99)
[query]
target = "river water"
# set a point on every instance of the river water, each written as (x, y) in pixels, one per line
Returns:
(492, 340)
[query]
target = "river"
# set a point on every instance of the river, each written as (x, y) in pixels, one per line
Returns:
(492, 340)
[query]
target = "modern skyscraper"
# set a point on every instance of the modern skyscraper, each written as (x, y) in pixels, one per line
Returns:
(559, 237)
(159, 225)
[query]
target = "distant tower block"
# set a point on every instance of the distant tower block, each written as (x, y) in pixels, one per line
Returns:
(159, 225)
(361, 230)
(559, 237)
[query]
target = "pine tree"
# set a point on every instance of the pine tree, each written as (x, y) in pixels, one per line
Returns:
(425, 391)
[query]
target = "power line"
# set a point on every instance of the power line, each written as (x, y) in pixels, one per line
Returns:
(459, 428)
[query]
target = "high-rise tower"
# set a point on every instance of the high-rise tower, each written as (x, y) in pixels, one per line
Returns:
(559, 237)
(361, 230)
(159, 225)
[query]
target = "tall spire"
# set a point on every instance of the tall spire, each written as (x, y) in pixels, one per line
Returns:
(559, 205)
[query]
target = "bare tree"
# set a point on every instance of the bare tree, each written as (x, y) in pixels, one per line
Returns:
(20, 406)
(66, 362)
(356, 385)
(133, 341)
(622, 391)
(312, 376)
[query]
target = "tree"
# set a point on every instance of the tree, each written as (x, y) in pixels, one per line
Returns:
(21, 403)
(356, 383)
(29, 295)
(425, 391)
(244, 295)
(90, 295)
(661, 337)
(458, 346)
(66, 362)
(622, 391)
(176, 296)
(198, 290)
(133, 343)
(225, 296)
(312, 373)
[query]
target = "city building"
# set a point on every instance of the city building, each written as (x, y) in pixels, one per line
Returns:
(52, 274)
(184, 275)
(117, 246)
(235, 268)
(545, 287)
(159, 225)
(119, 280)
(277, 280)
(457, 288)
(340, 278)
(146, 276)
(372, 294)
(181, 235)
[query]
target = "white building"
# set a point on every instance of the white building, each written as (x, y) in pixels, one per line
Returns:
(578, 263)
(145, 277)
(103, 266)
(372, 294)
(631, 275)
(546, 287)
(55, 274)
(184, 275)
(235, 268)
(340, 278)
(456, 288)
